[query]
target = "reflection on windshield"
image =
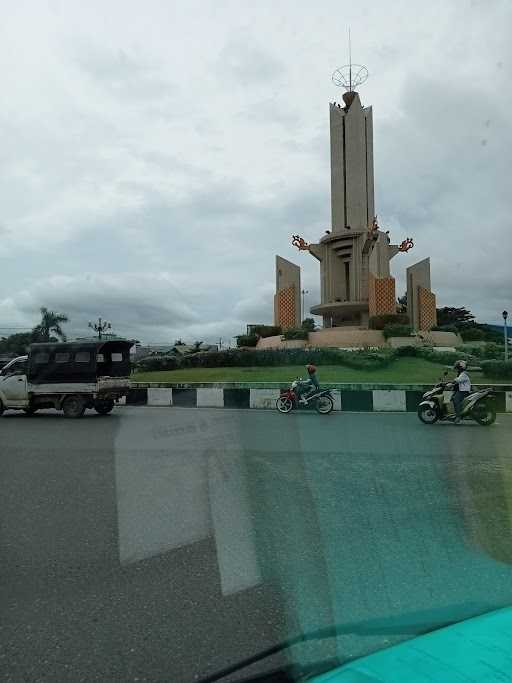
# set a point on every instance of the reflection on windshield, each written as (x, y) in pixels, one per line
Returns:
(188, 541)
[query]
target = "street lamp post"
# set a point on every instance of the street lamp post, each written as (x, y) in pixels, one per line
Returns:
(505, 316)
(100, 327)
(304, 292)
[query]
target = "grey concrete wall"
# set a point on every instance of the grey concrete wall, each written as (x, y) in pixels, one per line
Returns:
(355, 164)
(337, 117)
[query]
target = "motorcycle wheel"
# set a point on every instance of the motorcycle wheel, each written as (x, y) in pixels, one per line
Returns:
(484, 414)
(284, 404)
(428, 415)
(324, 405)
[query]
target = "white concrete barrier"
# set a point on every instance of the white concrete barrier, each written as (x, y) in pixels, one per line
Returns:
(210, 398)
(263, 398)
(336, 394)
(388, 400)
(159, 397)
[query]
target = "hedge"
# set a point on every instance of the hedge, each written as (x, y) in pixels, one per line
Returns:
(296, 333)
(497, 368)
(379, 322)
(270, 357)
(397, 331)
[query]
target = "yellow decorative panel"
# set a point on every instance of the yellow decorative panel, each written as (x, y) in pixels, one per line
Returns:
(427, 309)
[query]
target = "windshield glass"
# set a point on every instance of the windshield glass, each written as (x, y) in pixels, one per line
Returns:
(255, 268)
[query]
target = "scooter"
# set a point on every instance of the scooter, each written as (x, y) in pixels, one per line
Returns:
(478, 406)
(290, 399)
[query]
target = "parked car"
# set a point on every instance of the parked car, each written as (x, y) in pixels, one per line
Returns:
(67, 376)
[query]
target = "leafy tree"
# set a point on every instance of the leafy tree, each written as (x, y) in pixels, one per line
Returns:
(197, 346)
(460, 317)
(16, 343)
(308, 324)
(50, 323)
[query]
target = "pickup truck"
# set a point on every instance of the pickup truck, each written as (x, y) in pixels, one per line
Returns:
(67, 376)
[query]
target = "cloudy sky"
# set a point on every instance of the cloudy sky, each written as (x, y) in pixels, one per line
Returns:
(154, 157)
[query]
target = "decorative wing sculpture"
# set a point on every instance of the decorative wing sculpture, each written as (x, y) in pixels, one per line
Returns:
(300, 243)
(406, 245)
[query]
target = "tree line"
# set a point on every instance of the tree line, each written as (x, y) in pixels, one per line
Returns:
(48, 329)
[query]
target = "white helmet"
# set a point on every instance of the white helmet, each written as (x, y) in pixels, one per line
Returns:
(460, 365)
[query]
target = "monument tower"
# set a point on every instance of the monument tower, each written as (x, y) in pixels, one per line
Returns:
(354, 255)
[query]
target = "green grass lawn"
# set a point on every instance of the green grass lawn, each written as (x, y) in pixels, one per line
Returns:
(402, 370)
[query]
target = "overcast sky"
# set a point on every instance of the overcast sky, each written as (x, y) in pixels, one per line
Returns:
(154, 157)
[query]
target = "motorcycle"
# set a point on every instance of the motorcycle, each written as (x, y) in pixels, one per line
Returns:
(478, 406)
(291, 399)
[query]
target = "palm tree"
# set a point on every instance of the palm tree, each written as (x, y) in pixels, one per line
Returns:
(50, 323)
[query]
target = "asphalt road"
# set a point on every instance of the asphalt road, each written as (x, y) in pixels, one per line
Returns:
(163, 544)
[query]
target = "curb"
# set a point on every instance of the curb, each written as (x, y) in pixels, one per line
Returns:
(349, 398)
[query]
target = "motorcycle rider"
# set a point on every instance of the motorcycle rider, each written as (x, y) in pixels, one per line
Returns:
(462, 388)
(311, 386)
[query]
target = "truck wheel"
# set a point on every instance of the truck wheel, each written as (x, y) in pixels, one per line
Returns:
(73, 406)
(104, 407)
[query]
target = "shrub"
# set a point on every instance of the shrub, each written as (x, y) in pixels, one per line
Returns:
(151, 363)
(497, 368)
(392, 330)
(445, 328)
(407, 352)
(295, 333)
(266, 331)
(472, 334)
(379, 322)
(247, 340)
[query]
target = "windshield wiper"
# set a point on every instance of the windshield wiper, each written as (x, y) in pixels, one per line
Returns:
(417, 623)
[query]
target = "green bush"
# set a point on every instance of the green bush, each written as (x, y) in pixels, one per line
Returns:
(392, 330)
(445, 328)
(497, 368)
(472, 334)
(489, 351)
(443, 357)
(246, 340)
(407, 352)
(151, 363)
(266, 330)
(379, 322)
(295, 333)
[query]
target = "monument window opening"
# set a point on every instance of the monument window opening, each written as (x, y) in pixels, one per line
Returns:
(347, 281)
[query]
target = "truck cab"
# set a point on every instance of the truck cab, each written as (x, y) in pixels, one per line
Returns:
(13, 383)
(67, 376)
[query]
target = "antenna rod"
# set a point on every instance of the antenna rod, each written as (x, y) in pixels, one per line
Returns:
(350, 60)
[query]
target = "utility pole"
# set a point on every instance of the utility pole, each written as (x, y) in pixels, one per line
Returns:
(100, 327)
(505, 316)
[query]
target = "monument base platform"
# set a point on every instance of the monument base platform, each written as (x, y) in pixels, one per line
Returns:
(357, 338)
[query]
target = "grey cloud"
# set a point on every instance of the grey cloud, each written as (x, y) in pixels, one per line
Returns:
(123, 74)
(243, 62)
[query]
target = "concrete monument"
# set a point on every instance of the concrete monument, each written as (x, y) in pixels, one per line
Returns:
(421, 302)
(354, 255)
(287, 311)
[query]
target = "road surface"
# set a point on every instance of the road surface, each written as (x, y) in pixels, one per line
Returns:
(163, 544)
